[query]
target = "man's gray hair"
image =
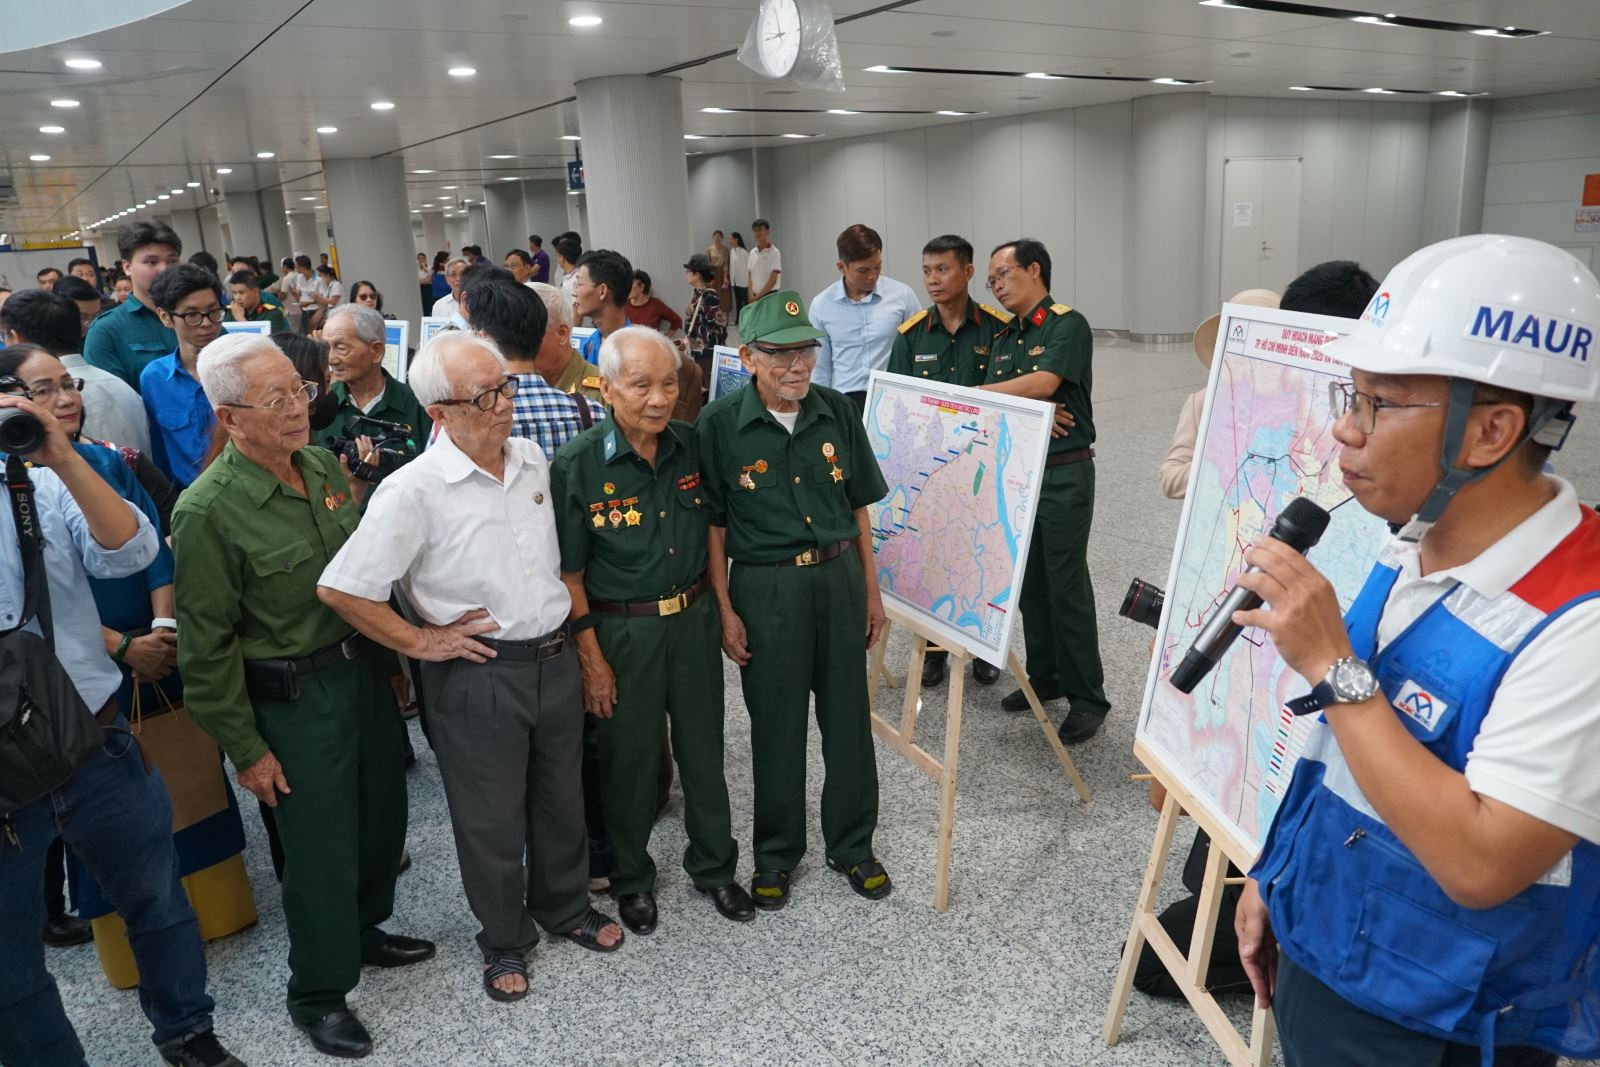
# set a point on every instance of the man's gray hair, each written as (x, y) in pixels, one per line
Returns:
(221, 366)
(428, 376)
(369, 323)
(611, 348)
(453, 261)
(555, 302)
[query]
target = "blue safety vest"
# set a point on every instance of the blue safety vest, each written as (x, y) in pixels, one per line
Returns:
(1350, 903)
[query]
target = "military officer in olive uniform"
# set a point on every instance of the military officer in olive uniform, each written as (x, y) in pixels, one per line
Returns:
(300, 703)
(789, 473)
(631, 518)
(1045, 353)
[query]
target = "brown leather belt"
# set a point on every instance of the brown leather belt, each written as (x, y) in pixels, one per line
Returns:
(665, 606)
(1061, 459)
(813, 556)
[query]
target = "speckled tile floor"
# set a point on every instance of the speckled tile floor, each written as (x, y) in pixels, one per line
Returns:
(1017, 972)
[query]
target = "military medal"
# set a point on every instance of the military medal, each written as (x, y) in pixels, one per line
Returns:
(746, 482)
(599, 521)
(1036, 350)
(610, 488)
(632, 516)
(838, 475)
(616, 517)
(329, 503)
(761, 466)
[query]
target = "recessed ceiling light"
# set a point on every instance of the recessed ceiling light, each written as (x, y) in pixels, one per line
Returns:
(503, 155)
(955, 112)
(192, 185)
(510, 179)
(585, 21)
(795, 136)
(224, 170)
(424, 172)
(265, 155)
(327, 129)
(694, 137)
(81, 63)
(1301, 88)
(63, 103)
(177, 192)
(308, 198)
(147, 203)
(447, 187)
(1376, 89)
(383, 105)
(842, 111)
(414, 211)
(40, 158)
(462, 72)
(163, 196)
(1042, 75)
(52, 129)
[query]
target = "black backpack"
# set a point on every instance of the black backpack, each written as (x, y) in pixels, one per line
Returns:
(46, 730)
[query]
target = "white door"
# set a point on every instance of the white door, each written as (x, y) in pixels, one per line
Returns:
(1260, 224)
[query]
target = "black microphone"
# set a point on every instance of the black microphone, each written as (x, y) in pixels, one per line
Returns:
(1300, 525)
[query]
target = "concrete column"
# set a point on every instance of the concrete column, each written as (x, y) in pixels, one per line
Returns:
(302, 235)
(1458, 168)
(372, 224)
(578, 215)
(545, 209)
(635, 174)
(434, 238)
(210, 233)
(186, 224)
(507, 219)
(1169, 137)
(272, 213)
(247, 231)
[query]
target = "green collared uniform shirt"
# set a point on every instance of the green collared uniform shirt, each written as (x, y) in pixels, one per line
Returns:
(269, 312)
(397, 404)
(925, 349)
(634, 532)
(124, 338)
(1052, 337)
(579, 377)
(779, 494)
(248, 552)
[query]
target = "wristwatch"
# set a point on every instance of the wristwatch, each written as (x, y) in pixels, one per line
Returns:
(1348, 681)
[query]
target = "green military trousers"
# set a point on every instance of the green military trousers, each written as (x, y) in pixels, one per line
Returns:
(806, 628)
(343, 825)
(670, 664)
(1057, 602)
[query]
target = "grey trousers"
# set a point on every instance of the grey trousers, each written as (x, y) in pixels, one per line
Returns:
(509, 740)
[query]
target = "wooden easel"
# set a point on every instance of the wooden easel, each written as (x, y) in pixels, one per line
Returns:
(1189, 971)
(902, 738)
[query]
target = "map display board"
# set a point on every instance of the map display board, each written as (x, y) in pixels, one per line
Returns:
(261, 327)
(727, 372)
(396, 355)
(964, 468)
(1265, 438)
(430, 327)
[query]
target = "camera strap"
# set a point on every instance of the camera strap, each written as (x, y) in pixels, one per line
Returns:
(30, 541)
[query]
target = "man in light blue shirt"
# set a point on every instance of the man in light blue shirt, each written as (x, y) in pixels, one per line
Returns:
(861, 313)
(112, 811)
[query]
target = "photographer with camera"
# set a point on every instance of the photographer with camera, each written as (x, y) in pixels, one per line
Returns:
(371, 402)
(68, 765)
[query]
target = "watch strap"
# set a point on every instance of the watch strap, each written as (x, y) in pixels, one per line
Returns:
(1321, 696)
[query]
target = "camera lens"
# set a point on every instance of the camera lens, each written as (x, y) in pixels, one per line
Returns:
(1143, 603)
(20, 432)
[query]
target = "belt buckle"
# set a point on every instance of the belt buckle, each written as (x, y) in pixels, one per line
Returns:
(348, 648)
(807, 558)
(672, 604)
(553, 647)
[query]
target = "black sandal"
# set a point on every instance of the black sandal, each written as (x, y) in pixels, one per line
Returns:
(504, 965)
(588, 935)
(769, 890)
(868, 879)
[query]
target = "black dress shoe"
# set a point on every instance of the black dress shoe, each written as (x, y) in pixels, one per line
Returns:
(985, 673)
(1017, 700)
(398, 951)
(1079, 726)
(933, 669)
(732, 902)
(67, 931)
(338, 1033)
(638, 911)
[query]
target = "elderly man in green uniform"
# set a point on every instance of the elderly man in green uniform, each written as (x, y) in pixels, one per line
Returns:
(1045, 353)
(788, 473)
(356, 340)
(632, 522)
(300, 703)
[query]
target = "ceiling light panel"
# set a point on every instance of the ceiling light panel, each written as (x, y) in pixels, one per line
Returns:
(1375, 18)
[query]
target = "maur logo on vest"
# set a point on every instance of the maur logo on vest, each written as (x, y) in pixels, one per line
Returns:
(1532, 331)
(1420, 705)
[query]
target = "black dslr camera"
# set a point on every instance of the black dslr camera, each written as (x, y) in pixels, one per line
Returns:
(391, 443)
(1143, 603)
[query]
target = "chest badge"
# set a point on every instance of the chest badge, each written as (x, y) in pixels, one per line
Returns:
(616, 517)
(538, 498)
(827, 451)
(1036, 350)
(838, 475)
(980, 350)
(1426, 709)
(633, 516)
(599, 521)
(610, 488)
(746, 482)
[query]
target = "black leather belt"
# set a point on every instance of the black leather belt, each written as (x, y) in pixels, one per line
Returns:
(549, 646)
(339, 652)
(813, 556)
(665, 606)
(1061, 459)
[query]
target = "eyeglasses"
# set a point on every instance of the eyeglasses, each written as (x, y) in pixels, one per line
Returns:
(485, 400)
(999, 276)
(45, 394)
(1345, 399)
(304, 395)
(787, 358)
(199, 318)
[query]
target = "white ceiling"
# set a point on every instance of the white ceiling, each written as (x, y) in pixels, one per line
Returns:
(212, 82)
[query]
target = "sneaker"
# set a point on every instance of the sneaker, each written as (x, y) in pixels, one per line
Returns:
(197, 1050)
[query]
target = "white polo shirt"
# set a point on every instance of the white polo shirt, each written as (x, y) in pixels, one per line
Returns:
(458, 539)
(1538, 749)
(764, 263)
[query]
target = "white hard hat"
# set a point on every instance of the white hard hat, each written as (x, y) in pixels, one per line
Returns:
(1506, 311)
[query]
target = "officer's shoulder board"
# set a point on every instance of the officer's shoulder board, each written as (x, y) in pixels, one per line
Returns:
(1003, 316)
(591, 381)
(906, 326)
(1060, 309)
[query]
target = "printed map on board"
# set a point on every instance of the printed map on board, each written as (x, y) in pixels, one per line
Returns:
(963, 468)
(1266, 439)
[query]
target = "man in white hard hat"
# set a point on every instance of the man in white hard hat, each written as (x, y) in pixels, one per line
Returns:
(1431, 882)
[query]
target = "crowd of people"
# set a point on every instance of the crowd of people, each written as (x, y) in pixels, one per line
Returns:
(543, 547)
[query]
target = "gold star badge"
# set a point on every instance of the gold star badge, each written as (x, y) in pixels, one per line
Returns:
(599, 521)
(632, 516)
(838, 475)
(792, 308)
